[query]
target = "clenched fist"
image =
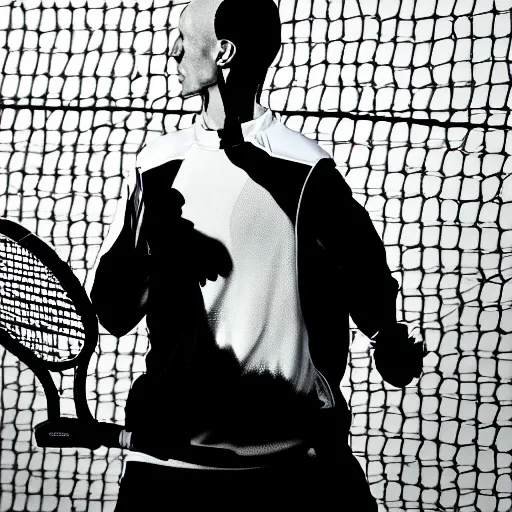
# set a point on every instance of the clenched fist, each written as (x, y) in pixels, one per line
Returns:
(398, 357)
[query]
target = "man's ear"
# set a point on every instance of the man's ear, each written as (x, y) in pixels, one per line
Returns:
(226, 53)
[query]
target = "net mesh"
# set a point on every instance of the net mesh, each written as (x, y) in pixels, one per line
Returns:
(412, 98)
(34, 308)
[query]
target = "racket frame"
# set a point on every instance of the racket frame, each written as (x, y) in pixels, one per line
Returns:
(75, 291)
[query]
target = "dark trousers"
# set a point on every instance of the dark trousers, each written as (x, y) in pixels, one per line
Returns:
(149, 487)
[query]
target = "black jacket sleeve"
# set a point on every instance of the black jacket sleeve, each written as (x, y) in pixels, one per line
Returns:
(120, 285)
(346, 233)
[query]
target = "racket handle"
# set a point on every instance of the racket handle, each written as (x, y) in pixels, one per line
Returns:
(75, 433)
(66, 433)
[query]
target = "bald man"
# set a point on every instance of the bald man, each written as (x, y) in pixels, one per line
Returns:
(242, 245)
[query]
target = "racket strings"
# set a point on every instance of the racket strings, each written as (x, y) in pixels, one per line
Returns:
(34, 307)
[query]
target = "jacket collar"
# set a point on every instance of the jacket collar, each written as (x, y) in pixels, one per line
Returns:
(211, 139)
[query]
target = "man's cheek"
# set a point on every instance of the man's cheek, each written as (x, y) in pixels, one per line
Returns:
(205, 77)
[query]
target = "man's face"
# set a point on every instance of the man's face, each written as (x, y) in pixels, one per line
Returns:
(197, 47)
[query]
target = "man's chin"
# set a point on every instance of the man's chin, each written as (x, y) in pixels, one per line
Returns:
(189, 91)
(188, 94)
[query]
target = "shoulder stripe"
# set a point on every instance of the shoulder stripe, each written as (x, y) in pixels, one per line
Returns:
(281, 142)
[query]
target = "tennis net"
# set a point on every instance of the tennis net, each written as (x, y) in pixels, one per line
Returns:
(412, 98)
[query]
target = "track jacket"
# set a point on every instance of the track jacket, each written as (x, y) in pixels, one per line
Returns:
(288, 255)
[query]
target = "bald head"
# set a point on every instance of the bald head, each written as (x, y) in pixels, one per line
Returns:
(198, 21)
(242, 36)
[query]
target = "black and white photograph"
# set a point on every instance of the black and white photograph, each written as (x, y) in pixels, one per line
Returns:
(255, 255)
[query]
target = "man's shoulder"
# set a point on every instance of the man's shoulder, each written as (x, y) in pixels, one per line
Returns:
(284, 143)
(165, 148)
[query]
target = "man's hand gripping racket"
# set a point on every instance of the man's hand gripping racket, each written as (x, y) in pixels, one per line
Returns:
(48, 323)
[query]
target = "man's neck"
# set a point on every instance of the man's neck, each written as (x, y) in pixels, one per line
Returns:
(214, 112)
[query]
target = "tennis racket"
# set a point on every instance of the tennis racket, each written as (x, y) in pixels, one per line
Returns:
(47, 321)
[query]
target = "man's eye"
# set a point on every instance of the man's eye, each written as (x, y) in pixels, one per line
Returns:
(177, 48)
